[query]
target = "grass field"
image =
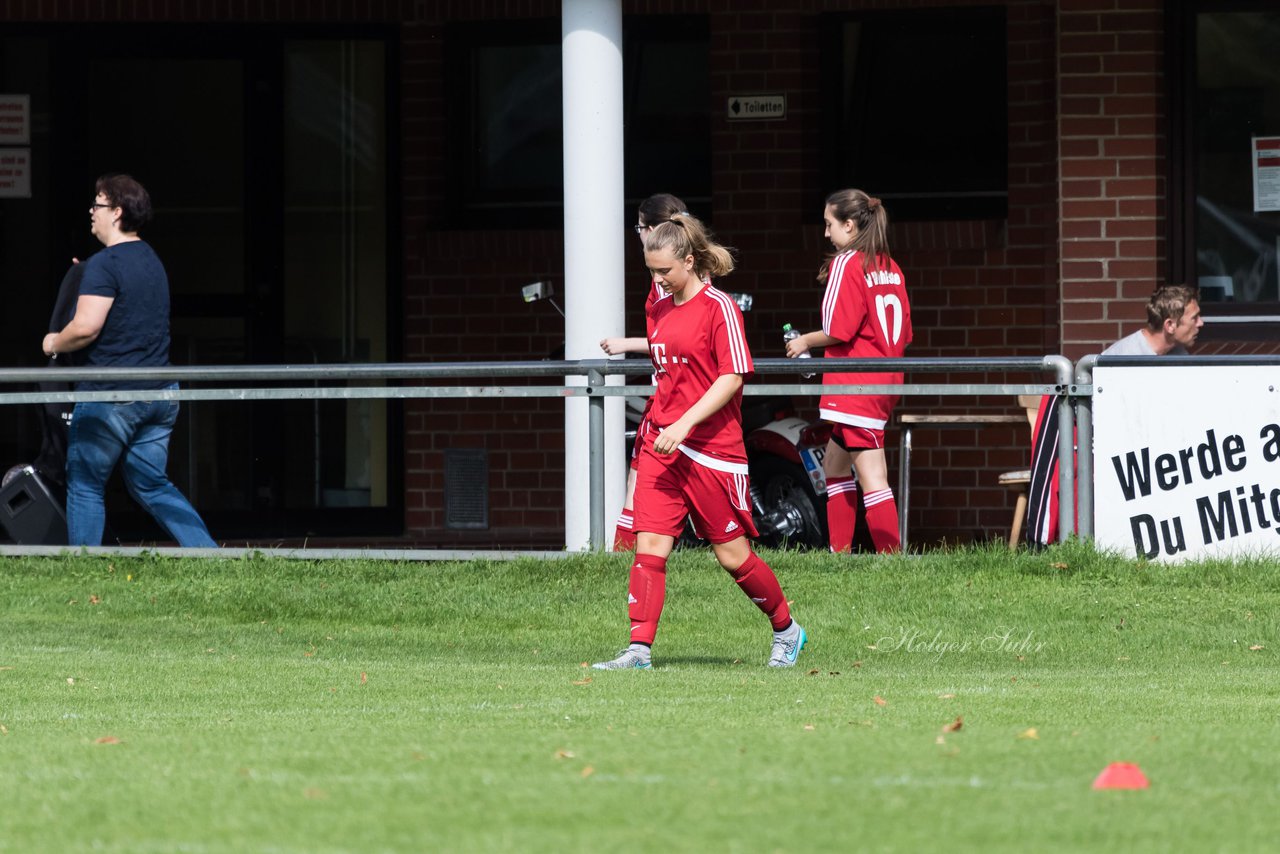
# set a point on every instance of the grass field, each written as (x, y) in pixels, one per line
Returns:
(158, 705)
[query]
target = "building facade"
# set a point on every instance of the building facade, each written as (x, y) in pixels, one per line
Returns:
(375, 181)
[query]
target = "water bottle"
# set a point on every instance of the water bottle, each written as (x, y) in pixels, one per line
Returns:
(789, 334)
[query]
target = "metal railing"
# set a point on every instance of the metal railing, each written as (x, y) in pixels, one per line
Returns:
(595, 371)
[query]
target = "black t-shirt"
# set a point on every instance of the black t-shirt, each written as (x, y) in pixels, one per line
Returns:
(136, 332)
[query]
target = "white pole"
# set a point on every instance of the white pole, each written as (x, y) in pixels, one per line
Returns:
(594, 231)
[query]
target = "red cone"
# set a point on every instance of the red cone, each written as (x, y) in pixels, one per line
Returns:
(1121, 775)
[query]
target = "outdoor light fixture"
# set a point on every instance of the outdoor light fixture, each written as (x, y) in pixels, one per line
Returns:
(540, 291)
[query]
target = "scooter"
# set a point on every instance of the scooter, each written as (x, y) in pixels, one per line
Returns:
(788, 486)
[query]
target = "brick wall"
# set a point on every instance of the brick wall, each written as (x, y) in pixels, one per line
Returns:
(987, 289)
(462, 303)
(1111, 166)
(1067, 271)
(978, 288)
(229, 11)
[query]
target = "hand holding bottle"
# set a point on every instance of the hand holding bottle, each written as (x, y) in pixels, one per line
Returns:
(798, 350)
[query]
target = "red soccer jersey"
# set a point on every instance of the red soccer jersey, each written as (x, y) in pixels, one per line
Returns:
(691, 346)
(655, 293)
(869, 312)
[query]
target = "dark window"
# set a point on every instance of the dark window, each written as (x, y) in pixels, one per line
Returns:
(270, 156)
(1225, 160)
(505, 114)
(919, 112)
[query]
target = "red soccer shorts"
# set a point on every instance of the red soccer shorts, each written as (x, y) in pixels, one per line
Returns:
(671, 487)
(853, 438)
(641, 429)
(639, 442)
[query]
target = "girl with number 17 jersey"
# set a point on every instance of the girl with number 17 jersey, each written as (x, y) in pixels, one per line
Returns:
(865, 315)
(867, 312)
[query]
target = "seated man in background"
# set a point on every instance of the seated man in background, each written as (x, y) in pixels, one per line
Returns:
(1173, 324)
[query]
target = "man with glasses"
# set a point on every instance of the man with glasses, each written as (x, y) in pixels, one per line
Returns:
(122, 320)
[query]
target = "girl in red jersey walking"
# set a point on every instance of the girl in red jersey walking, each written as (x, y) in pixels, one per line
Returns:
(654, 211)
(692, 459)
(865, 314)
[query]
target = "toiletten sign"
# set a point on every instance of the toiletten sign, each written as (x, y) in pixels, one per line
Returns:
(1187, 461)
(756, 107)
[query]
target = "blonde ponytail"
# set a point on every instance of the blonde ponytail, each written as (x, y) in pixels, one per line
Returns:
(684, 234)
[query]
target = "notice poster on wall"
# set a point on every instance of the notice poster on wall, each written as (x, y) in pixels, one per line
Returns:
(15, 119)
(15, 173)
(1266, 173)
(1187, 461)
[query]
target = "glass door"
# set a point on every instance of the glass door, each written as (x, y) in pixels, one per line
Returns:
(1237, 157)
(267, 161)
(335, 261)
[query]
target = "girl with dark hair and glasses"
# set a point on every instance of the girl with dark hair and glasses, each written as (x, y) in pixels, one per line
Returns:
(654, 211)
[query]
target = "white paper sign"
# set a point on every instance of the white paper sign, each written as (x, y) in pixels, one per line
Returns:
(1266, 173)
(15, 173)
(15, 119)
(1187, 461)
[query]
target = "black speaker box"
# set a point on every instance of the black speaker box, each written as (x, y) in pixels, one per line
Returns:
(31, 513)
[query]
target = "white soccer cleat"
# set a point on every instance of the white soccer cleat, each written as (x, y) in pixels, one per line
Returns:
(634, 657)
(787, 645)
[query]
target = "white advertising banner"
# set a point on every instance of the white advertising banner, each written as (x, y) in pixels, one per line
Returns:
(1186, 461)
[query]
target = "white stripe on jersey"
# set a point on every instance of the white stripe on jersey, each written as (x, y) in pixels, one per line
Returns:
(835, 274)
(658, 293)
(713, 462)
(853, 420)
(737, 340)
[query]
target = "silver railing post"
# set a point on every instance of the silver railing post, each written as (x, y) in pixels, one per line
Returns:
(595, 456)
(1084, 453)
(1066, 448)
(904, 482)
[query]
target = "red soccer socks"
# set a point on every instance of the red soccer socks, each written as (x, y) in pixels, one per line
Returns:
(757, 580)
(882, 520)
(646, 592)
(842, 512)
(624, 535)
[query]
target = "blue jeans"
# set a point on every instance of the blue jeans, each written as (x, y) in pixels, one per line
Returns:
(102, 432)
